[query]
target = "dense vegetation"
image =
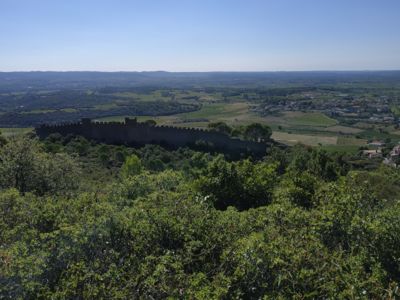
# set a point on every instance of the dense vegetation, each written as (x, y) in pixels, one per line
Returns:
(86, 220)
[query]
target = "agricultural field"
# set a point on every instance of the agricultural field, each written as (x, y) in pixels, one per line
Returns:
(14, 131)
(232, 113)
(314, 119)
(343, 129)
(312, 140)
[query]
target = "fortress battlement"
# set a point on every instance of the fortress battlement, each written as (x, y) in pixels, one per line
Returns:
(134, 133)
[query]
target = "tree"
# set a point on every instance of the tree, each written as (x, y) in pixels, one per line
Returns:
(297, 188)
(26, 167)
(17, 164)
(132, 166)
(317, 162)
(221, 127)
(56, 174)
(150, 123)
(240, 184)
(3, 140)
(257, 132)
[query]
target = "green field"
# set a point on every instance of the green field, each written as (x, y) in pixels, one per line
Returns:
(341, 148)
(297, 119)
(15, 131)
(44, 111)
(231, 113)
(312, 140)
(38, 111)
(177, 95)
(309, 119)
(343, 129)
(351, 141)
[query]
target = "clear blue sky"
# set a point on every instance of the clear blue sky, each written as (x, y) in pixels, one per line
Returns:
(199, 35)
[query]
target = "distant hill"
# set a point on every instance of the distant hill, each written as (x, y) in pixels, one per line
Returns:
(23, 81)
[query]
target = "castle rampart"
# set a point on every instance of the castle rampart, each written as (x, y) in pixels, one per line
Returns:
(133, 133)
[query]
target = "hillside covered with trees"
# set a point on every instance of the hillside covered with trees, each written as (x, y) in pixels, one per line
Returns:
(85, 220)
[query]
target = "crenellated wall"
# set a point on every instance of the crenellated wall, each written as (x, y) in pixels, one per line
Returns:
(133, 133)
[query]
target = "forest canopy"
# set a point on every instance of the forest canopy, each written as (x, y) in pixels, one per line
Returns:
(85, 220)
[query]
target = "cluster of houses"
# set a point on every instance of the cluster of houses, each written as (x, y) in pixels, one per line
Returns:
(376, 152)
(393, 159)
(376, 110)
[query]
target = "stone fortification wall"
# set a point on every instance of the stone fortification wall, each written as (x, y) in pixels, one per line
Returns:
(133, 133)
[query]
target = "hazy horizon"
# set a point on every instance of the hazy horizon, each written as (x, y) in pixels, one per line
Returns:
(199, 36)
(227, 71)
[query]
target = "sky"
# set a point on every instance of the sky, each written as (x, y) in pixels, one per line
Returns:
(199, 35)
